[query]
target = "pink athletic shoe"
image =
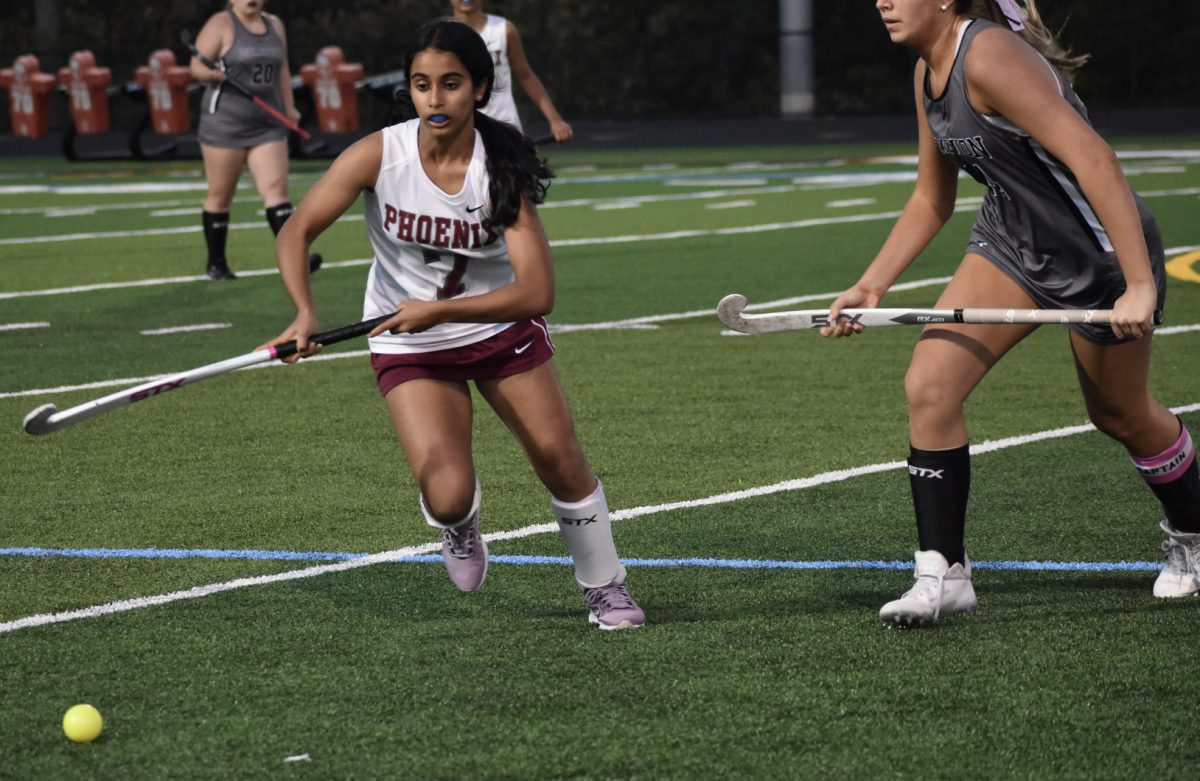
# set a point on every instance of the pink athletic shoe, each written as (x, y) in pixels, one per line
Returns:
(465, 553)
(611, 607)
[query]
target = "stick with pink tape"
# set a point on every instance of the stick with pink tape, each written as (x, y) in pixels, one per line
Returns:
(47, 418)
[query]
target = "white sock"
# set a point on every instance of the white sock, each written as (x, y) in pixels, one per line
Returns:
(470, 516)
(587, 530)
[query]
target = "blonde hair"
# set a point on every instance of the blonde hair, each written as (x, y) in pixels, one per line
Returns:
(1035, 33)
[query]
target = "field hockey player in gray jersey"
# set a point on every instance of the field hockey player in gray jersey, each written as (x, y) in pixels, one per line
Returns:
(463, 264)
(249, 47)
(1059, 228)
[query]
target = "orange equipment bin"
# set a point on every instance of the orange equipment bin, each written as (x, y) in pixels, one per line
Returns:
(29, 96)
(87, 87)
(332, 81)
(166, 92)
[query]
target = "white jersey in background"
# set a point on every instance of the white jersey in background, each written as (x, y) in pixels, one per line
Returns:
(502, 104)
(430, 244)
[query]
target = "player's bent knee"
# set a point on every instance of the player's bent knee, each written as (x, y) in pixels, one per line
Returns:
(448, 501)
(1121, 425)
(928, 397)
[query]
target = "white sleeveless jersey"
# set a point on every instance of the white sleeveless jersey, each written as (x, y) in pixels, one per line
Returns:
(430, 244)
(501, 105)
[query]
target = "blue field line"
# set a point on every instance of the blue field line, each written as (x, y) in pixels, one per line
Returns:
(829, 564)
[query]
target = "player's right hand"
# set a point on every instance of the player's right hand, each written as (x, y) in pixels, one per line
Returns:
(857, 297)
(301, 329)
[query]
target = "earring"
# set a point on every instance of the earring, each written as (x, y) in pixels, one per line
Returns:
(943, 6)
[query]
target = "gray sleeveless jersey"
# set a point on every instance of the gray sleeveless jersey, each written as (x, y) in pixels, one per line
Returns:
(1035, 223)
(228, 118)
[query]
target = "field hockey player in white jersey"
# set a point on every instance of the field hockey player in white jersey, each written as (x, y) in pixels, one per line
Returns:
(508, 56)
(1059, 228)
(462, 260)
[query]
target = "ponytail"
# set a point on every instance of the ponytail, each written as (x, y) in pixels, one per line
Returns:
(1030, 27)
(514, 168)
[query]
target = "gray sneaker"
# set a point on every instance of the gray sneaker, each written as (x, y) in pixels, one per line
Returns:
(611, 607)
(1180, 576)
(940, 591)
(465, 553)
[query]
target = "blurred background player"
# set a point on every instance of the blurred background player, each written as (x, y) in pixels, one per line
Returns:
(462, 259)
(1059, 228)
(250, 47)
(508, 57)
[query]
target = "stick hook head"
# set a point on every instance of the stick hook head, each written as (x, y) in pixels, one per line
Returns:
(729, 310)
(37, 422)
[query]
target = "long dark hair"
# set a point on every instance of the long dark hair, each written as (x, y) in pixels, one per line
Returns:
(513, 164)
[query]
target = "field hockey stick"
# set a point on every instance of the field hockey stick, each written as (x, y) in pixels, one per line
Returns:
(46, 418)
(732, 314)
(262, 104)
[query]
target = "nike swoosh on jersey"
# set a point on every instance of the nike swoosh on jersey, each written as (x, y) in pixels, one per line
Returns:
(523, 348)
(471, 210)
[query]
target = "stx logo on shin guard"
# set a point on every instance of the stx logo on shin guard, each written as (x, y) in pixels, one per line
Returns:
(920, 471)
(576, 521)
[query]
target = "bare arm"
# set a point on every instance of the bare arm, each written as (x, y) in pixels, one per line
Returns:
(1006, 77)
(530, 294)
(927, 210)
(532, 85)
(214, 39)
(285, 73)
(353, 171)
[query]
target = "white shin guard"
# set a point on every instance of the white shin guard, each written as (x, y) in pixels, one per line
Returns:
(587, 530)
(475, 502)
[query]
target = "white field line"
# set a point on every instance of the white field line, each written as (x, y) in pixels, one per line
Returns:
(186, 212)
(183, 329)
(634, 323)
(739, 204)
(54, 211)
(604, 240)
(735, 231)
(646, 322)
(261, 272)
(92, 236)
(825, 478)
(832, 181)
(22, 326)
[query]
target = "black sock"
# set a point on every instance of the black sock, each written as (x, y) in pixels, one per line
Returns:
(941, 481)
(216, 231)
(277, 216)
(1174, 477)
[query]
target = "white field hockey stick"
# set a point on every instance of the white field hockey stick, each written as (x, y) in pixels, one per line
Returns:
(731, 312)
(46, 418)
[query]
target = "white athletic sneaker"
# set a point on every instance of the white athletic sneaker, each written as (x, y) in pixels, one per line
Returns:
(940, 591)
(1180, 576)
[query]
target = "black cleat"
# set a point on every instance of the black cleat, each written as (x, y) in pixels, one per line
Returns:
(219, 271)
(314, 261)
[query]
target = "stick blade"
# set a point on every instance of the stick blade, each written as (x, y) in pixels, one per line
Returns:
(729, 311)
(38, 422)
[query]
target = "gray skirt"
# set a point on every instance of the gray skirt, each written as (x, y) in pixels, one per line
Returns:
(1070, 280)
(230, 120)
